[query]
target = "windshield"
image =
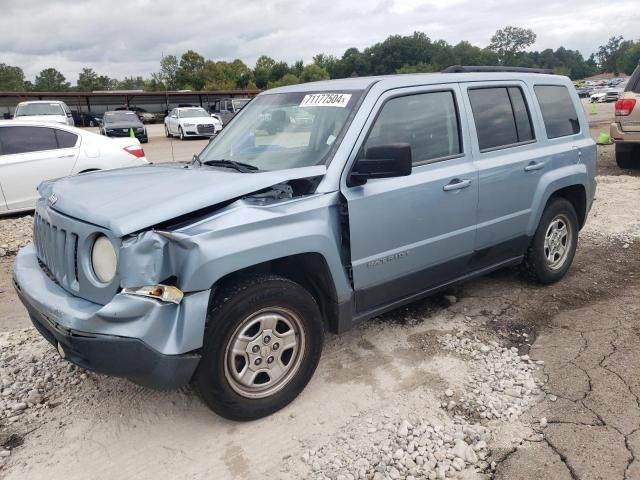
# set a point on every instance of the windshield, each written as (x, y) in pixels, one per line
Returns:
(284, 130)
(29, 109)
(113, 117)
(239, 103)
(193, 113)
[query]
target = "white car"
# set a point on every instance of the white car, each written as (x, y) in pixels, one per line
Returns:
(31, 152)
(190, 122)
(50, 111)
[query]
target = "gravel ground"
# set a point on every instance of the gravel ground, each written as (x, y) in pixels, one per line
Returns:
(15, 232)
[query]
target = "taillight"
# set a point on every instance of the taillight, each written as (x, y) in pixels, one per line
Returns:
(624, 106)
(135, 150)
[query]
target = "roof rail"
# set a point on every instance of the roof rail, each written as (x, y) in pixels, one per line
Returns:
(484, 68)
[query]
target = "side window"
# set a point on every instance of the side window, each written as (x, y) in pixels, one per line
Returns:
(66, 139)
(27, 139)
(426, 121)
(558, 112)
(501, 117)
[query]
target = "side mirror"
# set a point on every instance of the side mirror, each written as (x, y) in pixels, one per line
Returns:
(174, 116)
(382, 161)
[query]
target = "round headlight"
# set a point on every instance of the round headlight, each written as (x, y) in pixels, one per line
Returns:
(103, 259)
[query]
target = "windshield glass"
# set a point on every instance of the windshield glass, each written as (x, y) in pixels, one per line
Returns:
(239, 103)
(113, 117)
(192, 113)
(28, 109)
(284, 130)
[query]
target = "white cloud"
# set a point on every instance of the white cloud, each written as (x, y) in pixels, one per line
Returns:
(121, 38)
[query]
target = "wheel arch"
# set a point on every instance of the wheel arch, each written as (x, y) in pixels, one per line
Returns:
(310, 270)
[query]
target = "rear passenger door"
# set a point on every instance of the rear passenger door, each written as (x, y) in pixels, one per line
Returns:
(409, 234)
(31, 155)
(510, 164)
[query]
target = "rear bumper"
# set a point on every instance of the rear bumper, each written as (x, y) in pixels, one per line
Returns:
(140, 339)
(142, 136)
(620, 136)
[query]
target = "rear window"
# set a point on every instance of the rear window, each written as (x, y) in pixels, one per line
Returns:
(558, 112)
(501, 117)
(633, 85)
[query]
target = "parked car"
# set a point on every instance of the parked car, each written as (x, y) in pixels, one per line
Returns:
(583, 92)
(625, 130)
(143, 115)
(51, 111)
(228, 270)
(31, 152)
(227, 108)
(121, 124)
(190, 122)
(86, 119)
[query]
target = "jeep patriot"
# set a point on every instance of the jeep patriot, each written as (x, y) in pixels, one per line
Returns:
(226, 271)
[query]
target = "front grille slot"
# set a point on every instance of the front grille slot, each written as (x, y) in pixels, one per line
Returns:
(57, 250)
(205, 128)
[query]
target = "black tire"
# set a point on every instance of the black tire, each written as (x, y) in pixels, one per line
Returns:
(536, 265)
(92, 123)
(627, 156)
(230, 308)
(181, 133)
(166, 132)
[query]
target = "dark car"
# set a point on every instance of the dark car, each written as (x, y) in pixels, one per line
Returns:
(121, 123)
(583, 92)
(143, 115)
(86, 119)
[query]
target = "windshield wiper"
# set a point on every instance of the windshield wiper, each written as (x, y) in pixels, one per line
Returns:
(239, 166)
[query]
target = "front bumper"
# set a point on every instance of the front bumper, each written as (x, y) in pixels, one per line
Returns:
(120, 133)
(147, 341)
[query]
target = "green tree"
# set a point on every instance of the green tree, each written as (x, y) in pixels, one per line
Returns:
(89, 81)
(288, 79)
(131, 83)
(167, 78)
(629, 58)
(190, 74)
(262, 70)
(11, 78)
(313, 73)
(51, 80)
(509, 41)
(607, 54)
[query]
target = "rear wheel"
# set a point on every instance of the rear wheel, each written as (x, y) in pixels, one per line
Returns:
(627, 155)
(262, 345)
(554, 244)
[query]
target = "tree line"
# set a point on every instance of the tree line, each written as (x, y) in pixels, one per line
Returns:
(416, 53)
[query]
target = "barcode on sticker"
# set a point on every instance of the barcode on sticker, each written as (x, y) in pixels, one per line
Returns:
(326, 100)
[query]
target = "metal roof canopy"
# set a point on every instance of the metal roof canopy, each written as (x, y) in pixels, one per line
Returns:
(104, 99)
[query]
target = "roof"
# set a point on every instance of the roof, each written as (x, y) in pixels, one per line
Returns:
(41, 101)
(406, 80)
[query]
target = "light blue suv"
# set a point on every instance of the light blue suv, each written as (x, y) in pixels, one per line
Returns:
(227, 270)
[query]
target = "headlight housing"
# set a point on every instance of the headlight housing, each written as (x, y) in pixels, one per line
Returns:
(103, 259)
(189, 124)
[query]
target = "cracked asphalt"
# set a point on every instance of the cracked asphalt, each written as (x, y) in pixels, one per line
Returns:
(592, 406)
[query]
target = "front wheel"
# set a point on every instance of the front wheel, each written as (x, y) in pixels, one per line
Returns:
(166, 132)
(554, 244)
(180, 133)
(262, 345)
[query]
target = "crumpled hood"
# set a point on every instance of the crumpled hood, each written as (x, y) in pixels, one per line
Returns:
(131, 199)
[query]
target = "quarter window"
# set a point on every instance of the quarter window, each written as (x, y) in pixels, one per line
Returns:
(27, 139)
(66, 139)
(501, 117)
(427, 121)
(558, 112)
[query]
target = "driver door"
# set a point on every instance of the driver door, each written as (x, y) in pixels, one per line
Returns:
(411, 234)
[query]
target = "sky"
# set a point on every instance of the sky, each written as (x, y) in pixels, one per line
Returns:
(128, 38)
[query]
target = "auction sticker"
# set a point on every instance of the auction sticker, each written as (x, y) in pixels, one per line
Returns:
(326, 100)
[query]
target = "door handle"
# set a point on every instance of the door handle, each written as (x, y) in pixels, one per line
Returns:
(456, 184)
(534, 166)
(67, 156)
